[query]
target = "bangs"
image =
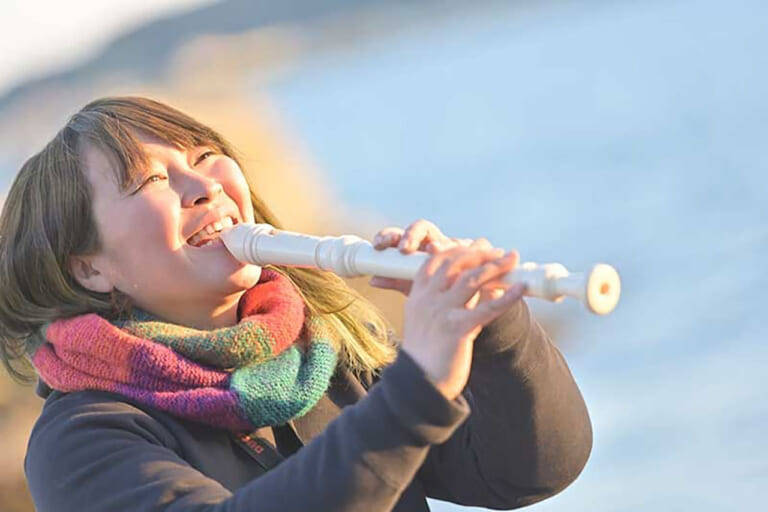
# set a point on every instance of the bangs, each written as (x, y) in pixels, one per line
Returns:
(113, 125)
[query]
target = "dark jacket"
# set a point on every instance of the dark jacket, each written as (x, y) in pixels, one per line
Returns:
(519, 433)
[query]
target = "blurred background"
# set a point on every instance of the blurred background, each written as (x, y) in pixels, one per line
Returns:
(627, 132)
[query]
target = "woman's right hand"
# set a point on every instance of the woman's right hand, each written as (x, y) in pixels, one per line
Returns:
(444, 312)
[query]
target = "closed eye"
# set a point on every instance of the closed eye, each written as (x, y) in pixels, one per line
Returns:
(149, 180)
(204, 156)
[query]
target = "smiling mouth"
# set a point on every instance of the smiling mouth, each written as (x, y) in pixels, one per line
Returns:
(210, 234)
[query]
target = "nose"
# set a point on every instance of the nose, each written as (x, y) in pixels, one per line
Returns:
(202, 190)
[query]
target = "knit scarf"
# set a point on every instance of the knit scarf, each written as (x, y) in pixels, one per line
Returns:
(269, 368)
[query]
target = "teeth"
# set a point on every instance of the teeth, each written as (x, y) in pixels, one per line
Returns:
(211, 229)
(194, 239)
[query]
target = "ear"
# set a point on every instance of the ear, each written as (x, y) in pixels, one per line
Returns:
(84, 271)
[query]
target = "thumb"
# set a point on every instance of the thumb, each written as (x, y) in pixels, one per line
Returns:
(401, 285)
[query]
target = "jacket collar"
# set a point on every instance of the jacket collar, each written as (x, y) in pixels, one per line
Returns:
(344, 390)
(42, 389)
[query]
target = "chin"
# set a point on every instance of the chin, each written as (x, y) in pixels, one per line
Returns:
(246, 277)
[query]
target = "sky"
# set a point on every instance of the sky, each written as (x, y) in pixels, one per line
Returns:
(42, 36)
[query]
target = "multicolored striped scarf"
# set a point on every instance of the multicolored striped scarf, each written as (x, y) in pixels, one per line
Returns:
(271, 367)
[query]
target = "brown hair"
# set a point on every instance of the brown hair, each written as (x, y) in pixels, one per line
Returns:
(47, 217)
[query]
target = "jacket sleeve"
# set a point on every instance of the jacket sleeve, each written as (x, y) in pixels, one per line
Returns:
(105, 455)
(529, 434)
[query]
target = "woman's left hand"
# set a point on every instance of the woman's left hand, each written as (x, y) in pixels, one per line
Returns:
(423, 235)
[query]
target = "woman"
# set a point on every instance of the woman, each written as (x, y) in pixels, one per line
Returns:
(177, 378)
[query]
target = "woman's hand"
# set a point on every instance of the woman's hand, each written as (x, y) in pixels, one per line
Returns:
(457, 291)
(421, 235)
(444, 313)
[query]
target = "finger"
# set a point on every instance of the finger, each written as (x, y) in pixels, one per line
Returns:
(491, 291)
(401, 285)
(440, 245)
(432, 264)
(389, 283)
(437, 261)
(470, 281)
(481, 243)
(379, 282)
(387, 237)
(464, 242)
(418, 235)
(459, 260)
(486, 312)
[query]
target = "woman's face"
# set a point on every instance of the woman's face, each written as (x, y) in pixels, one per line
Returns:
(145, 231)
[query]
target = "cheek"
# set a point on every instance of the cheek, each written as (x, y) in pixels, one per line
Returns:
(232, 179)
(242, 198)
(144, 232)
(157, 221)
